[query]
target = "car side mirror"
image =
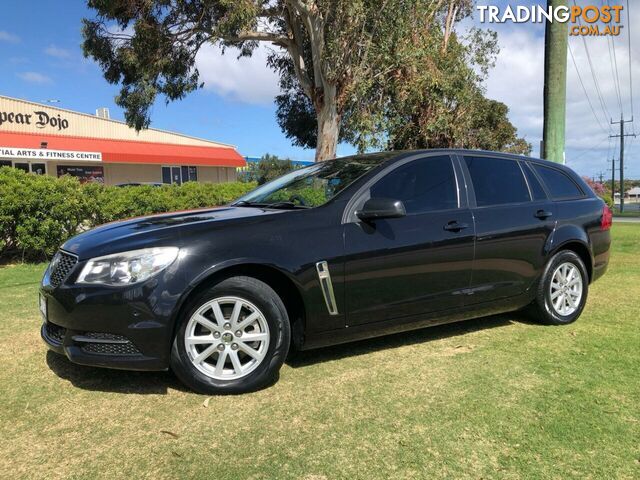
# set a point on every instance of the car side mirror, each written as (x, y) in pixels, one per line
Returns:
(379, 208)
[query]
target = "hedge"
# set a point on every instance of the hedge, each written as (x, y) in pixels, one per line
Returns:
(38, 212)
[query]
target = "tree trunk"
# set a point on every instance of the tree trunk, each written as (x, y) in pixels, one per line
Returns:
(328, 130)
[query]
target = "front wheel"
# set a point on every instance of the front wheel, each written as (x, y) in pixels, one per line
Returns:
(562, 292)
(233, 338)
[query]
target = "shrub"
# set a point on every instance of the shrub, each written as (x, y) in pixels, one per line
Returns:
(38, 213)
(608, 200)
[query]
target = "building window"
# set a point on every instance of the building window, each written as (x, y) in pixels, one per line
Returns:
(166, 175)
(36, 168)
(179, 175)
(189, 174)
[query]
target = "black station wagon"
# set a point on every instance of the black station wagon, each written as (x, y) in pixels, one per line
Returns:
(339, 251)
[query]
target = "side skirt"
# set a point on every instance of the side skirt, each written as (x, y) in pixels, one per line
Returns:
(414, 322)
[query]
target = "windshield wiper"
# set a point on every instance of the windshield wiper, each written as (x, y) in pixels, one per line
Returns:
(245, 203)
(285, 205)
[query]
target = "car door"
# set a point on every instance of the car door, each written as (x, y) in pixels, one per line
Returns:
(513, 221)
(416, 264)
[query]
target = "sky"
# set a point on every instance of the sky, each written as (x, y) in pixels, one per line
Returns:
(42, 60)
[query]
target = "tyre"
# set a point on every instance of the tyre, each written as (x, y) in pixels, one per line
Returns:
(233, 338)
(562, 291)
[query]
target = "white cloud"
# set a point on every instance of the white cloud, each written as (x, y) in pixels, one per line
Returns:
(9, 37)
(516, 80)
(247, 79)
(58, 52)
(35, 77)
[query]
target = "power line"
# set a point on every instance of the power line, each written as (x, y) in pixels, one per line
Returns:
(593, 73)
(587, 150)
(612, 57)
(629, 40)
(585, 90)
(617, 77)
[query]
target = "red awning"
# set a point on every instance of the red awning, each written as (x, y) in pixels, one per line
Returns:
(129, 151)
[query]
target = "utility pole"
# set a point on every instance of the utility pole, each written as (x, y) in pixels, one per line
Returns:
(600, 176)
(555, 86)
(613, 180)
(622, 135)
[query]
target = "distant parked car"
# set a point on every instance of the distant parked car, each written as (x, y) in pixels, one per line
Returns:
(338, 251)
(139, 184)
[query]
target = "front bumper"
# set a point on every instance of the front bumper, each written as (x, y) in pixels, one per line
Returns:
(128, 328)
(97, 349)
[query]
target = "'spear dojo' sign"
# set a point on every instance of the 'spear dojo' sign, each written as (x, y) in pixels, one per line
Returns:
(38, 118)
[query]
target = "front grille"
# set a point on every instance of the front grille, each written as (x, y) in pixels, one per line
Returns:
(55, 333)
(61, 266)
(105, 336)
(106, 344)
(127, 348)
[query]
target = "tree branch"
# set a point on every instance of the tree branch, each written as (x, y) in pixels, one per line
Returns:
(295, 50)
(311, 17)
(258, 37)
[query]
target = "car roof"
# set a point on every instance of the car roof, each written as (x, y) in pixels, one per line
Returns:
(385, 157)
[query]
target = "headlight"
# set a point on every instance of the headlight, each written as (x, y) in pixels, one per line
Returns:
(127, 268)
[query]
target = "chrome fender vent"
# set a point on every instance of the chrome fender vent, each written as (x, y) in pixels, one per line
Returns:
(327, 287)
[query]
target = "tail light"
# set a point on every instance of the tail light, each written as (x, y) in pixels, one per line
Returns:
(607, 218)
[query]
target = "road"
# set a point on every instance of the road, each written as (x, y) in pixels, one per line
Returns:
(626, 219)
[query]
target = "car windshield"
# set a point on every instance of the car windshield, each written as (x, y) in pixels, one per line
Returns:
(311, 186)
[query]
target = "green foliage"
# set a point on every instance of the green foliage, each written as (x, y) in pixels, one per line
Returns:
(308, 196)
(435, 99)
(38, 213)
(608, 200)
(268, 168)
(419, 90)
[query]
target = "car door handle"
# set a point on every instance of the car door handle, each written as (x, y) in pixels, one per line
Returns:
(455, 226)
(542, 214)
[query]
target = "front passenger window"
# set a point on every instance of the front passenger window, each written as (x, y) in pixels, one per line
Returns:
(423, 185)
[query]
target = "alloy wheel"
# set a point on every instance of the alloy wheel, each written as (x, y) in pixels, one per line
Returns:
(227, 338)
(566, 289)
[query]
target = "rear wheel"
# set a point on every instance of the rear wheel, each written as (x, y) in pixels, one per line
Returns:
(233, 338)
(562, 292)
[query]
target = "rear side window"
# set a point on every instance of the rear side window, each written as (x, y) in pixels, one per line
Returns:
(497, 181)
(534, 184)
(423, 185)
(558, 183)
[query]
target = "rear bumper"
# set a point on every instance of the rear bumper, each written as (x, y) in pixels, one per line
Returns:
(601, 245)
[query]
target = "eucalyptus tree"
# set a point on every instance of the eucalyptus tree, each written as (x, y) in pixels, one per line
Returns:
(342, 63)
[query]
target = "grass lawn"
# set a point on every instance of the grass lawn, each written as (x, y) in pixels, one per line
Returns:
(634, 214)
(491, 398)
(630, 210)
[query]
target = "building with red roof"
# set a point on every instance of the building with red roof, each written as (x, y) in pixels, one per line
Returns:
(52, 141)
